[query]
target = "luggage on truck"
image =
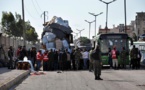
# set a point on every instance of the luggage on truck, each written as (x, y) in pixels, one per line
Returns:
(58, 43)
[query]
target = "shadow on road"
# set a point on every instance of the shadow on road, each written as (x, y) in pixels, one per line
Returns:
(5, 70)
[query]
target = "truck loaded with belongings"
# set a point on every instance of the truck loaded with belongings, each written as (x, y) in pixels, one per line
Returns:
(57, 35)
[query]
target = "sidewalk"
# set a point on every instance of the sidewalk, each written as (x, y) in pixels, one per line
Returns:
(10, 77)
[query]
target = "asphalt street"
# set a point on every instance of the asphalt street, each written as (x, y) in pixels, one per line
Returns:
(84, 80)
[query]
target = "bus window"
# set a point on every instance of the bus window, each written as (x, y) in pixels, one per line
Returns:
(118, 43)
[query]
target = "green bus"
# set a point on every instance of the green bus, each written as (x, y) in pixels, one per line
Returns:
(110, 40)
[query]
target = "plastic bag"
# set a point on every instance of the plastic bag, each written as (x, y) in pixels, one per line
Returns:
(60, 21)
(50, 45)
(44, 40)
(50, 36)
(65, 44)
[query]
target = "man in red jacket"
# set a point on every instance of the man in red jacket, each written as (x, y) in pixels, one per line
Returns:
(114, 57)
(39, 58)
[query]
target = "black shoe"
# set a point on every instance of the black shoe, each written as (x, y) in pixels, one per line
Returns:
(96, 78)
(100, 78)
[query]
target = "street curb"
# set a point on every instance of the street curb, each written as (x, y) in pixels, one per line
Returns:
(13, 81)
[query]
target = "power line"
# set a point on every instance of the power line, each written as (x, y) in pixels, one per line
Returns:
(34, 6)
(38, 5)
(29, 13)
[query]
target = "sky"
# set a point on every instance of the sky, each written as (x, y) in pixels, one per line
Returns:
(75, 11)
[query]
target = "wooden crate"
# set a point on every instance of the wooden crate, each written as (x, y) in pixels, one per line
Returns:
(23, 65)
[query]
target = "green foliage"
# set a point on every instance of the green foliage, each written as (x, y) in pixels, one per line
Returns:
(14, 26)
(8, 21)
(84, 41)
(31, 34)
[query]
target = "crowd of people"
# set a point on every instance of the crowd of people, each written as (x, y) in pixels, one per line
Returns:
(78, 59)
(134, 54)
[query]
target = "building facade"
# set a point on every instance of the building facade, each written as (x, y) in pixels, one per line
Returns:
(136, 27)
(140, 23)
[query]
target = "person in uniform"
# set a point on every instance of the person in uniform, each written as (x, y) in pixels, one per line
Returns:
(96, 56)
(123, 57)
(133, 55)
(78, 56)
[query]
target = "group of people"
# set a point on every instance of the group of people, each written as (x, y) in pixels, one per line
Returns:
(134, 54)
(77, 59)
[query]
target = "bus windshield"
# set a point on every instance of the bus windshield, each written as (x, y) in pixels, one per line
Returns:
(111, 42)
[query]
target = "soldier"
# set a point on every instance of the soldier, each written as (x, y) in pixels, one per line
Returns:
(78, 56)
(133, 55)
(96, 56)
(123, 57)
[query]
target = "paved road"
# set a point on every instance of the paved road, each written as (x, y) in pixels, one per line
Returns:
(10, 77)
(84, 80)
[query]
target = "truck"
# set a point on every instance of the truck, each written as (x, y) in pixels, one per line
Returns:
(57, 35)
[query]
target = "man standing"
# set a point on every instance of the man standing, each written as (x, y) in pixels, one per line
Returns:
(114, 58)
(109, 57)
(96, 56)
(78, 56)
(133, 55)
(45, 61)
(33, 56)
(85, 58)
(73, 59)
(138, 59)
(123, 57)
(10, 55)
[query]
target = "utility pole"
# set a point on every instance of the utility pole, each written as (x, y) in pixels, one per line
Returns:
(44, 13)
(125, 14)
(80, 31)
(95, 19)
(107, 3)
(89, 26)
(23, 14)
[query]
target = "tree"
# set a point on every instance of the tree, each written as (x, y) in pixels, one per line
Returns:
(8, 21)
(84, 41)
(30, 32)
(14, 26)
